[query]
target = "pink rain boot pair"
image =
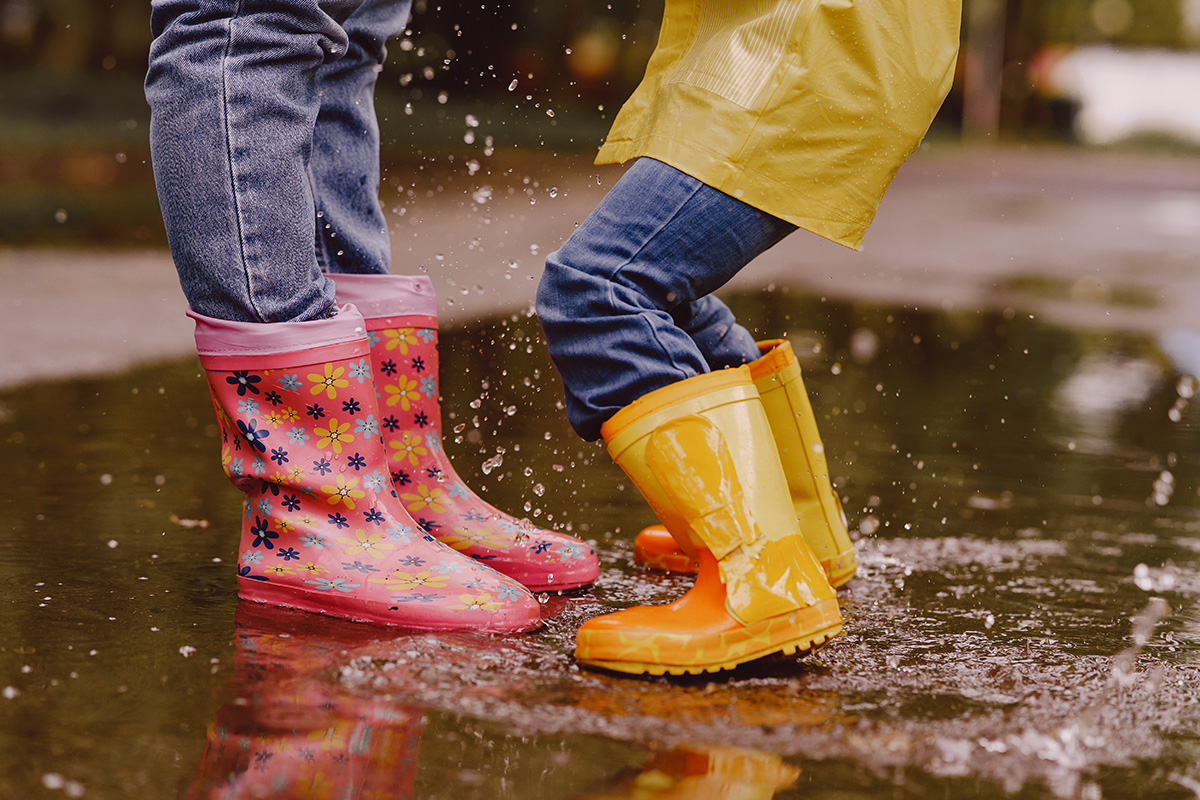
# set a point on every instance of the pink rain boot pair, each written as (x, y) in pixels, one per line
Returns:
(325, 530)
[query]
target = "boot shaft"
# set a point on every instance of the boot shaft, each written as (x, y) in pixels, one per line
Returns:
(777, 377)
(702, 453)
(401, 320)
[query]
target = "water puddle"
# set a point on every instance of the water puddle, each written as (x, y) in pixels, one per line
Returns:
(1024, 622)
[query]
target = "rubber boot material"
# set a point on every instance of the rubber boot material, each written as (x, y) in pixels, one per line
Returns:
(702, 454)
(323, 530)
(778, 380)
(401, 319)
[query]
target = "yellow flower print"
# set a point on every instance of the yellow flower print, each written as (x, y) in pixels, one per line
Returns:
(409, 447)
(330, 382)
(306, 520)
(399, 337)
(334, 436)
(289, 414)
(373, 544)
(408, 581)
(313, 568)
(404, 392)
(344, 491)
(426, 499)
(293, 475)
(284, 525)
(274, 418)
(463, 538)
(476, 602)
(223, 417)
(278, 569)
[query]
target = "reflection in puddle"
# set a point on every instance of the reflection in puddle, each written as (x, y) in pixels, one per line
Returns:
(289, 731)
(703, 773)
(1024, 620)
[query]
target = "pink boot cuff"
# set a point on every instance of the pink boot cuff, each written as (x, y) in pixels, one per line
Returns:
(260, 343)
(387, 295)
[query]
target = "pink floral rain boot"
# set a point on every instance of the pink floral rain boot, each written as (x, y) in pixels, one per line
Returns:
(323, 530)
(401, 315)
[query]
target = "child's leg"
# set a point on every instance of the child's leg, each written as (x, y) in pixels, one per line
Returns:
(609, 299)
(350, 228)
(716, 332)
(233, 94)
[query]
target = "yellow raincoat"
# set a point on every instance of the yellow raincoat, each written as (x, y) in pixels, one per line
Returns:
(804, 109)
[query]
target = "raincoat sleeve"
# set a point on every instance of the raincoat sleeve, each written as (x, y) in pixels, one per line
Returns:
(804, 109)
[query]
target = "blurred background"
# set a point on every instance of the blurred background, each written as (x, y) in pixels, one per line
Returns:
(1005, 377)
(74, 164)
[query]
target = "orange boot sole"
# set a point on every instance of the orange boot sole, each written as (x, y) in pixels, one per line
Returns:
(697, 634)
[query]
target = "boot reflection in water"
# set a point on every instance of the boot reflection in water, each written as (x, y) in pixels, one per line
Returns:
(741, 131)
(704, 773)
(292, 732)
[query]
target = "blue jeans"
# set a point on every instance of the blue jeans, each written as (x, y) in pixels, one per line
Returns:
(625, 304)
(266, 148)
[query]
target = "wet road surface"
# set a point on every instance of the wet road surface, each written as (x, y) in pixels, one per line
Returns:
(1023, 493)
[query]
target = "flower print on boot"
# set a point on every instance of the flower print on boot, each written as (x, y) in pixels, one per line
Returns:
(401, 317)
(323, 529)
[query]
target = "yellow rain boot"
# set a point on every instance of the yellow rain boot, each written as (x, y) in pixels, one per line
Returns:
(702, 454)
(777, 377)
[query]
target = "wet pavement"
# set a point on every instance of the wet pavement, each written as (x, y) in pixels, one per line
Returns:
(1018, 463)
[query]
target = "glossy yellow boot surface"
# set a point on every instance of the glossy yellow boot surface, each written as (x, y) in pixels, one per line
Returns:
(697, 633)
(701, 453)
(819, 513)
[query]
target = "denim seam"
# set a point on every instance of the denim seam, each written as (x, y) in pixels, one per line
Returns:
(229, 152)
(613, 280)
(320, 248)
